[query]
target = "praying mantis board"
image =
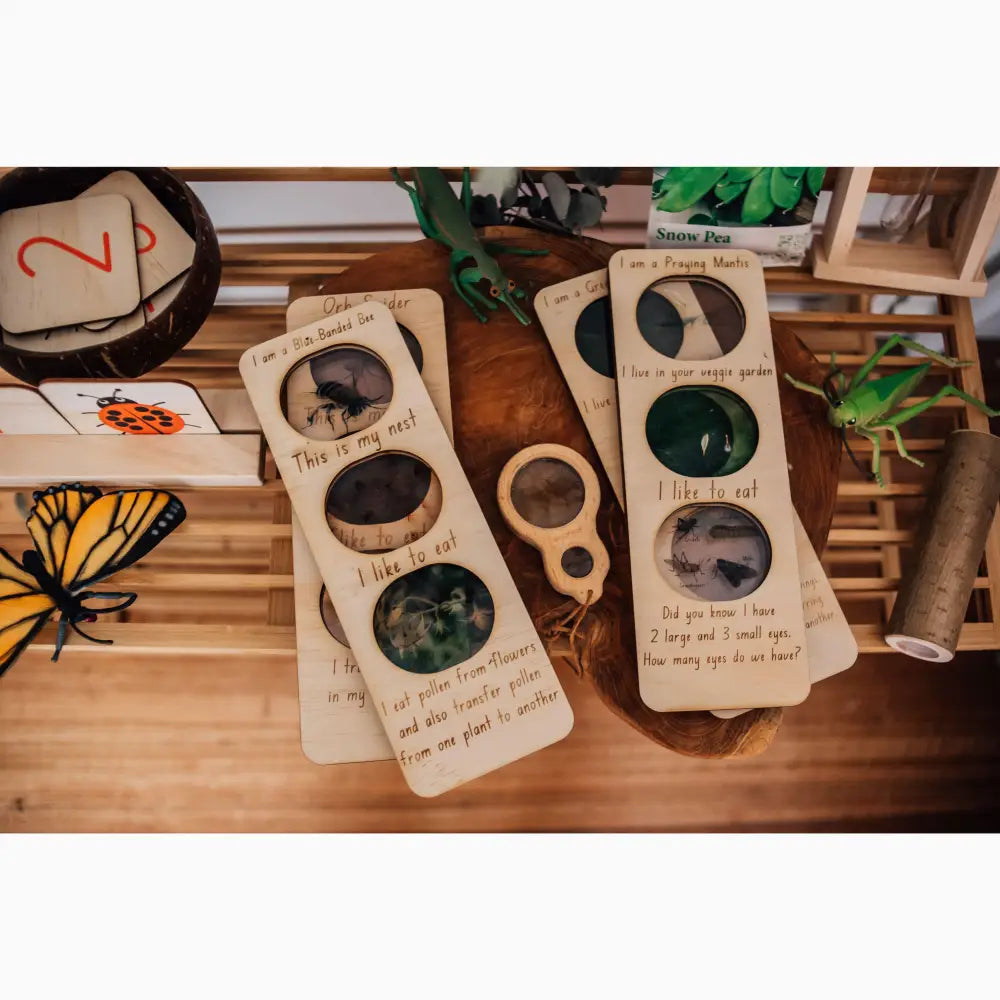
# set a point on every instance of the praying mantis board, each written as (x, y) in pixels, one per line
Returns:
(718, 612)
(66, 263)
(445, 644)
(338, 719)
(576, 318)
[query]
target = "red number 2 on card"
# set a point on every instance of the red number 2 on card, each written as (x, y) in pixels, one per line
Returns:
(103, 265)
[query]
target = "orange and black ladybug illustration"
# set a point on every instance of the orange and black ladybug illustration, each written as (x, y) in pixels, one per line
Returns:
(130, 417)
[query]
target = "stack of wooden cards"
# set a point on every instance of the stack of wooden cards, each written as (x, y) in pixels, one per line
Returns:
(668, 356)
(414, 642)
(76, 274)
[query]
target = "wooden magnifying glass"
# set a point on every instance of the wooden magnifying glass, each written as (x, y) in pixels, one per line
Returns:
(549, 495)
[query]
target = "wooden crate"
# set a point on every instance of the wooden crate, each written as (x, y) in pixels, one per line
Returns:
(223, 583)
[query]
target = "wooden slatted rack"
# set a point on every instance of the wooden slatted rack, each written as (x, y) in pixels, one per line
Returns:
(224, 583)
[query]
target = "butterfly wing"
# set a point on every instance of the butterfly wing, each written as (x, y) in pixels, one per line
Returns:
(24, 609)
(52, 519)
(116, 531)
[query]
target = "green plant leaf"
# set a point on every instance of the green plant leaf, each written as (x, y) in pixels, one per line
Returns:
(793, 171)
(690, 188)
(757, 205)
(741, 175)
(785, 192)
(701, 219)
(814, 178)
(727, 191)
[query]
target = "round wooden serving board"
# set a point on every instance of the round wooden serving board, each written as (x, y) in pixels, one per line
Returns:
(508, 392)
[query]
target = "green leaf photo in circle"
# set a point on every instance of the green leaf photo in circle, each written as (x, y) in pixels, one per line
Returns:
(794, 172)
(691, 187)
(758, 205)
(785, 191)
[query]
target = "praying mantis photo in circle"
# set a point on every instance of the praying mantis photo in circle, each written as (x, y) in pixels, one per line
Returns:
(866, 404)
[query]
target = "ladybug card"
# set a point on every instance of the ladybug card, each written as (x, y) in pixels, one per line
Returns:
(162, 247)
(129, 406)
(67, 263)
(25, 411)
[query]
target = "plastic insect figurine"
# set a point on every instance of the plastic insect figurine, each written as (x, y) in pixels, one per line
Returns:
(866, 404)
(130, 417)
(81, 538)
(445, 218)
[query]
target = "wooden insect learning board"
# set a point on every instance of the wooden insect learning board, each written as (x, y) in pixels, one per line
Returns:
(718, 614)
(446, 647)
(338, 719)
(576, 316)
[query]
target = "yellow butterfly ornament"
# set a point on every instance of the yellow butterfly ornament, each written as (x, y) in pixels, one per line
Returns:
(81, 538)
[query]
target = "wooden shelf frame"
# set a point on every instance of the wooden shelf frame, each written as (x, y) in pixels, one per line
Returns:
(223, 584)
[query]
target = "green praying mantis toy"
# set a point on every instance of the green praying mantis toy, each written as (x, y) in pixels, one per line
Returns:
(866, 404)
(444, 217)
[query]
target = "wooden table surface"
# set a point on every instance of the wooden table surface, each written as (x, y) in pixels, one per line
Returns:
(96, 743)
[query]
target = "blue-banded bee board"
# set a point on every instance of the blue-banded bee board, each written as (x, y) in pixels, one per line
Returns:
(449, 654)
(338, 719)
(576, 317)
(718, 614)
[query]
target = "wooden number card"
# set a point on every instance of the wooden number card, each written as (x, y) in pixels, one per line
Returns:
(718, 614)
(67, 262)
(830, 644)
(447, 648)
(576, 318)
(338, 718)
(162, 246)
(130, 407)
(25, 411)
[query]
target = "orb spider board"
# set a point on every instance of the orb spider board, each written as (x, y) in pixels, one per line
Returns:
(576, 318)
(444, 642)
(706, 483)
(337, 716)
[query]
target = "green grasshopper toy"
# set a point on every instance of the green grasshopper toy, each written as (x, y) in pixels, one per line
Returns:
(865, 404)
(444, 217)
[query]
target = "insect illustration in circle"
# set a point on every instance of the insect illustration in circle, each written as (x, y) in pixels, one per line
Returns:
(685, 526)
(735, 573)
(682, 566)
(131, 417)
(341, 397)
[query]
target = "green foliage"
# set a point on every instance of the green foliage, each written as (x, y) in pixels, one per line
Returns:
(728, 196)
(547, 202)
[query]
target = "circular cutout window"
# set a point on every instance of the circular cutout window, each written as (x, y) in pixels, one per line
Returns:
(702, 430)
(577, 562)
(712, 552)
(691, 319)
(412, 345)
(383, 502)
(433, 618)
(547, 492)
(336, 392)
(594, 339)
(330, 618)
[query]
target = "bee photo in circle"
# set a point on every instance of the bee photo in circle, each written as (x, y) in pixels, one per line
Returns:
(337, 392)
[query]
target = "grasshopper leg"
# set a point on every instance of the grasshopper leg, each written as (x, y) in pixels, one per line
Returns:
(897, 340)
(900, 445)
(804, 386)
(908, 412)
(876, 453)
